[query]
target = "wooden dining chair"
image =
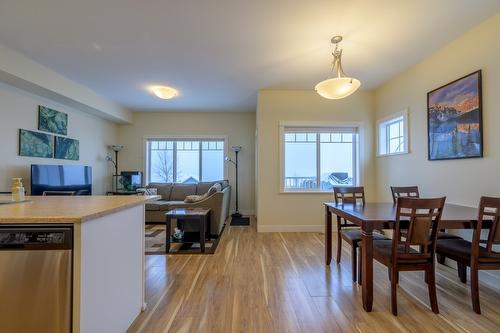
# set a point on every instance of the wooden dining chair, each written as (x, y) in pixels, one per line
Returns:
(404, 191)
(415, 252)
(472, 254)
(346, 230)
(413, 192)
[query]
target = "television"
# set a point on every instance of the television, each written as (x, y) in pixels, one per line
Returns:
(67, 179)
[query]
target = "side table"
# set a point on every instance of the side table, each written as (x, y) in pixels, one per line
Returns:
(200, 215)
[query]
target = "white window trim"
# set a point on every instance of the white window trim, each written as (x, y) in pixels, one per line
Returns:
(145, 152)
(356, 153)
(406, 147)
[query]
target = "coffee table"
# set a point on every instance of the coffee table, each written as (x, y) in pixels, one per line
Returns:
(200, 215)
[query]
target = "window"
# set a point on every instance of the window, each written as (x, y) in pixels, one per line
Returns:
(185, 160)
(318, 158)
(393, 134)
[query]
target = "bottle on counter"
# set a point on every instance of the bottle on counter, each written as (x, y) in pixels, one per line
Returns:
(17, 189)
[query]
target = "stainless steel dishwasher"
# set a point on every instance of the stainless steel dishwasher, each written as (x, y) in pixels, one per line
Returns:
(35, 279)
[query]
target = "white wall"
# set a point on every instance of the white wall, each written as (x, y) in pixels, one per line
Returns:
(462, 181)
(20, 110)
(238, 127)
(304, 211)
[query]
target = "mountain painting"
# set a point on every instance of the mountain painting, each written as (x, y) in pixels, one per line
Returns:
(454, 114)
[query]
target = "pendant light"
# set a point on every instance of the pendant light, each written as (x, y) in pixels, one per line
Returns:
(340, 85)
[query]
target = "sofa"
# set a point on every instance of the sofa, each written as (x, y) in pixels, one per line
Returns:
(173, 195)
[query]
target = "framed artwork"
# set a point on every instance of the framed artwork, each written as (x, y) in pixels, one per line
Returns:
(35, 144)
(52, 121)
(66, 149)
(454, 119)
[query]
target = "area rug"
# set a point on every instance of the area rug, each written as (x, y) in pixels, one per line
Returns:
(155, 243)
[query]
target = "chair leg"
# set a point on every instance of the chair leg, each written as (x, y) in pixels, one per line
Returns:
(339, 246)
(474, 288)
(431, 285)
(440, 258)
(462, 272)
(360, 267)
(394, 292)
(426, 277)
(354, 257)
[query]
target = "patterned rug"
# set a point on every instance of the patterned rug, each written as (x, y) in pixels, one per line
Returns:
(155, 243)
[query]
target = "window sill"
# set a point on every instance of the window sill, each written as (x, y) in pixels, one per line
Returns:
(306, 192)
(392, 154)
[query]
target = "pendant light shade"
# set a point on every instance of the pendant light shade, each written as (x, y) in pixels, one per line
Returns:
(340, 85)
(337, 88)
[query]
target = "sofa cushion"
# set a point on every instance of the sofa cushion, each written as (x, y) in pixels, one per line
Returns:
(203, 187)
(163, 189)
(181, 191)
(156, 205)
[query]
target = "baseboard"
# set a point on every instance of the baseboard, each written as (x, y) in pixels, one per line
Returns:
(290, 228)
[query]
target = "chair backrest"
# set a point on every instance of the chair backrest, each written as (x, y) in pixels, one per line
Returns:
(489, 212)
(404, 191)
(420, 219)
(349, 194)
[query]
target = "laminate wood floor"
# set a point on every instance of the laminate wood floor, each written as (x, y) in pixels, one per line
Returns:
(277, 282)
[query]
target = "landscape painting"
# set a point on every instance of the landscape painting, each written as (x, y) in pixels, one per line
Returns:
(67, 149)
(454, 114)
(52, 121)
(35, 144)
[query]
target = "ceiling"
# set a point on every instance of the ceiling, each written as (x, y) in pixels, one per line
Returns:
(219, 53)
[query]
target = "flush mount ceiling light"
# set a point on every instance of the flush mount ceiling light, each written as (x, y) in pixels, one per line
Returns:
(164, 92)
(340, 85)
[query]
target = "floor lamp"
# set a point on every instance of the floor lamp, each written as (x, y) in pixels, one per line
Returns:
(236, 217)
(116, 149)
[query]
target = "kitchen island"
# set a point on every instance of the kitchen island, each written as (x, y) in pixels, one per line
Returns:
(108, 254)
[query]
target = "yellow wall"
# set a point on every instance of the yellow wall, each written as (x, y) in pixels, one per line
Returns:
(239, 127)
(462, 181)
(303, 211)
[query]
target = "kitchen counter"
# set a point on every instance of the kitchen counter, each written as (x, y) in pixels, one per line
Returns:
(67, 209)
(108, 254)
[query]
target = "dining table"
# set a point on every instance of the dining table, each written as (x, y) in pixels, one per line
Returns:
(376, 216)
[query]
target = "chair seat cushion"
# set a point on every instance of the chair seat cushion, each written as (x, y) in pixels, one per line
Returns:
(354, 235)
(445, 235)
(382, 251)
(461, 249)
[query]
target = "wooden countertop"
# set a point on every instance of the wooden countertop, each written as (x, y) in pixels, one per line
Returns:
(67, 209)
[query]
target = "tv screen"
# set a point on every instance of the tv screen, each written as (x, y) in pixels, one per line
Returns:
(54, 179)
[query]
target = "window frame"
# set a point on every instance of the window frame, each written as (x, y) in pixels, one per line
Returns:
(386, 122)
(357, 138)
(147, 158)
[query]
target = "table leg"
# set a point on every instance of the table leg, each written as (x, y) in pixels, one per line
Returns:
(367, 267)
(328, 236)
(203, 221)
(167, 236)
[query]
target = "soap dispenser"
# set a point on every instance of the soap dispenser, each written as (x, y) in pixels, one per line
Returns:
(17, 189)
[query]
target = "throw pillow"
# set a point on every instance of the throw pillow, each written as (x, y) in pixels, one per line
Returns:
(147, 191)
(194, 198)
(214, 188)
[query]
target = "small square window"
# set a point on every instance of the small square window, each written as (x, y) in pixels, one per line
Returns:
(393, 134)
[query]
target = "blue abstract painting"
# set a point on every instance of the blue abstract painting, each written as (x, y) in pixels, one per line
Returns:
(455, 119)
